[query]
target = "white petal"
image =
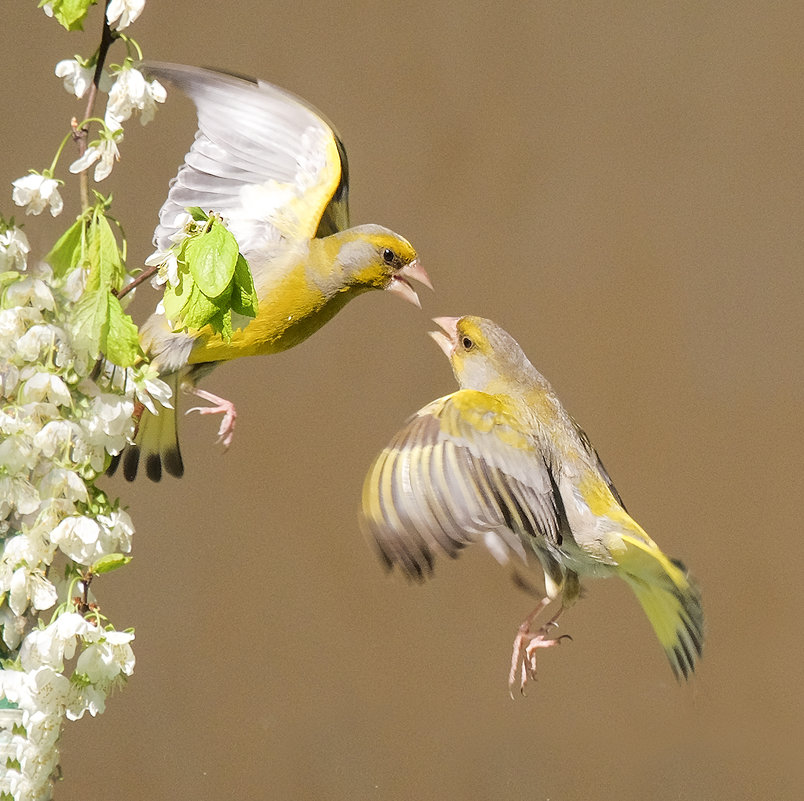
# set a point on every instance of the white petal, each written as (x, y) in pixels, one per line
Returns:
(91, 155)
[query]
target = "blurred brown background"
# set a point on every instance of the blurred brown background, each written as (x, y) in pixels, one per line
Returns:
(620, 185)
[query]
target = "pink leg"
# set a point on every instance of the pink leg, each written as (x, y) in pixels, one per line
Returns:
(221, 406)
(527, 642)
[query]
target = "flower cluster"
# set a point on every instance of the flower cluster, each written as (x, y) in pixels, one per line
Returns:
(62, 413)
(58, 531)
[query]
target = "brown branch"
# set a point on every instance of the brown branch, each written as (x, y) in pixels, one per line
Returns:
(143, 276)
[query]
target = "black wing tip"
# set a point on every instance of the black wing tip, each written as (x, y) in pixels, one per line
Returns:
(416, 568)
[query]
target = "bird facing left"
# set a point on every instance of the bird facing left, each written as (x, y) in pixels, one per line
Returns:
(276, 172)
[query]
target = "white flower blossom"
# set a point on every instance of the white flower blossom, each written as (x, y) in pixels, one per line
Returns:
(168, 265)
(132, 92)
(148, 387)
(17, 453)
(9, 378)
(105, 660)
(17, 494)
(120, 528)
(59, 482)
(13, 626)
(36, 192)
(14, 249)
(53, 644)
(39, 341)
(121, 13)
(104, 151)
(40, 692)
(110, 422)
(30, 587)
(56, 437)
(85, 539)
(29, 548)
(30, 291)
(79, 538)
(77, 76)
(45, 386)
(12, 327)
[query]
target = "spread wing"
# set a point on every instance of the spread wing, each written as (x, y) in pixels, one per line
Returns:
(461, 470)
(264, 159)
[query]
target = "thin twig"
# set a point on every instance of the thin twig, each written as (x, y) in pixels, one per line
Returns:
(143, 276)
(82, 135)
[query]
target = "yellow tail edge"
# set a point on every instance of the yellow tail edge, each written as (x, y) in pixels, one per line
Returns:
(670, 599)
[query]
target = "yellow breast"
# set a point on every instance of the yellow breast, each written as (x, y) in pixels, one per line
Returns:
(291, 308)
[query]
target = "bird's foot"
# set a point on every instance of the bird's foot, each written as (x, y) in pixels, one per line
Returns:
(220, 406)
(526, 644)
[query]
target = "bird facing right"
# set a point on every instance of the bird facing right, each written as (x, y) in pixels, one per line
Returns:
(501, 461)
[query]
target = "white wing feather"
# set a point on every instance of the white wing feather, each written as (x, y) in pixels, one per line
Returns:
(262, 158)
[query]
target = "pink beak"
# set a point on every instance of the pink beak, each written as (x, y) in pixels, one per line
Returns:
(447, 339)
(400, 284)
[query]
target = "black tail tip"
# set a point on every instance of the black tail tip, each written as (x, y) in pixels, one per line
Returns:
(131, 462)
(113, 464)
(172, 462)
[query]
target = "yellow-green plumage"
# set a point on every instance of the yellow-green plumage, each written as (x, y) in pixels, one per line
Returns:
(501, 461)
(276, 172)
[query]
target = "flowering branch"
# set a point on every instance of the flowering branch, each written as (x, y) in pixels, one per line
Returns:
(71, 372)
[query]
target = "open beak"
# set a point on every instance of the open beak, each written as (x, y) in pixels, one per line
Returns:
(400, 282)
(448, 338)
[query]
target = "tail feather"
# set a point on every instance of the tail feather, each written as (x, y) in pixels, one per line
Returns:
(670, 599)
(156, 442)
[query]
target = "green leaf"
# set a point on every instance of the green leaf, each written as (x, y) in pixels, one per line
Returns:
(200, 309)
(70, 13)
(91, 317)
(221, 323)
(109, 562)
(122, 342)
(211, 258)
(114, 271)
(197, 213)
(177, 297)
(244, 295)
(66, 254)
(105, 264)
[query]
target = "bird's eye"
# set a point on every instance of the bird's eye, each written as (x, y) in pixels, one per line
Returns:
(388, 256)
(467, 343)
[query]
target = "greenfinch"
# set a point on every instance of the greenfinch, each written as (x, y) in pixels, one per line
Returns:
(276, 172)
(501, 461)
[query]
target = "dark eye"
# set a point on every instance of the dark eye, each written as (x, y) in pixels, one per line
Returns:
(388, 256)
(467, 343)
